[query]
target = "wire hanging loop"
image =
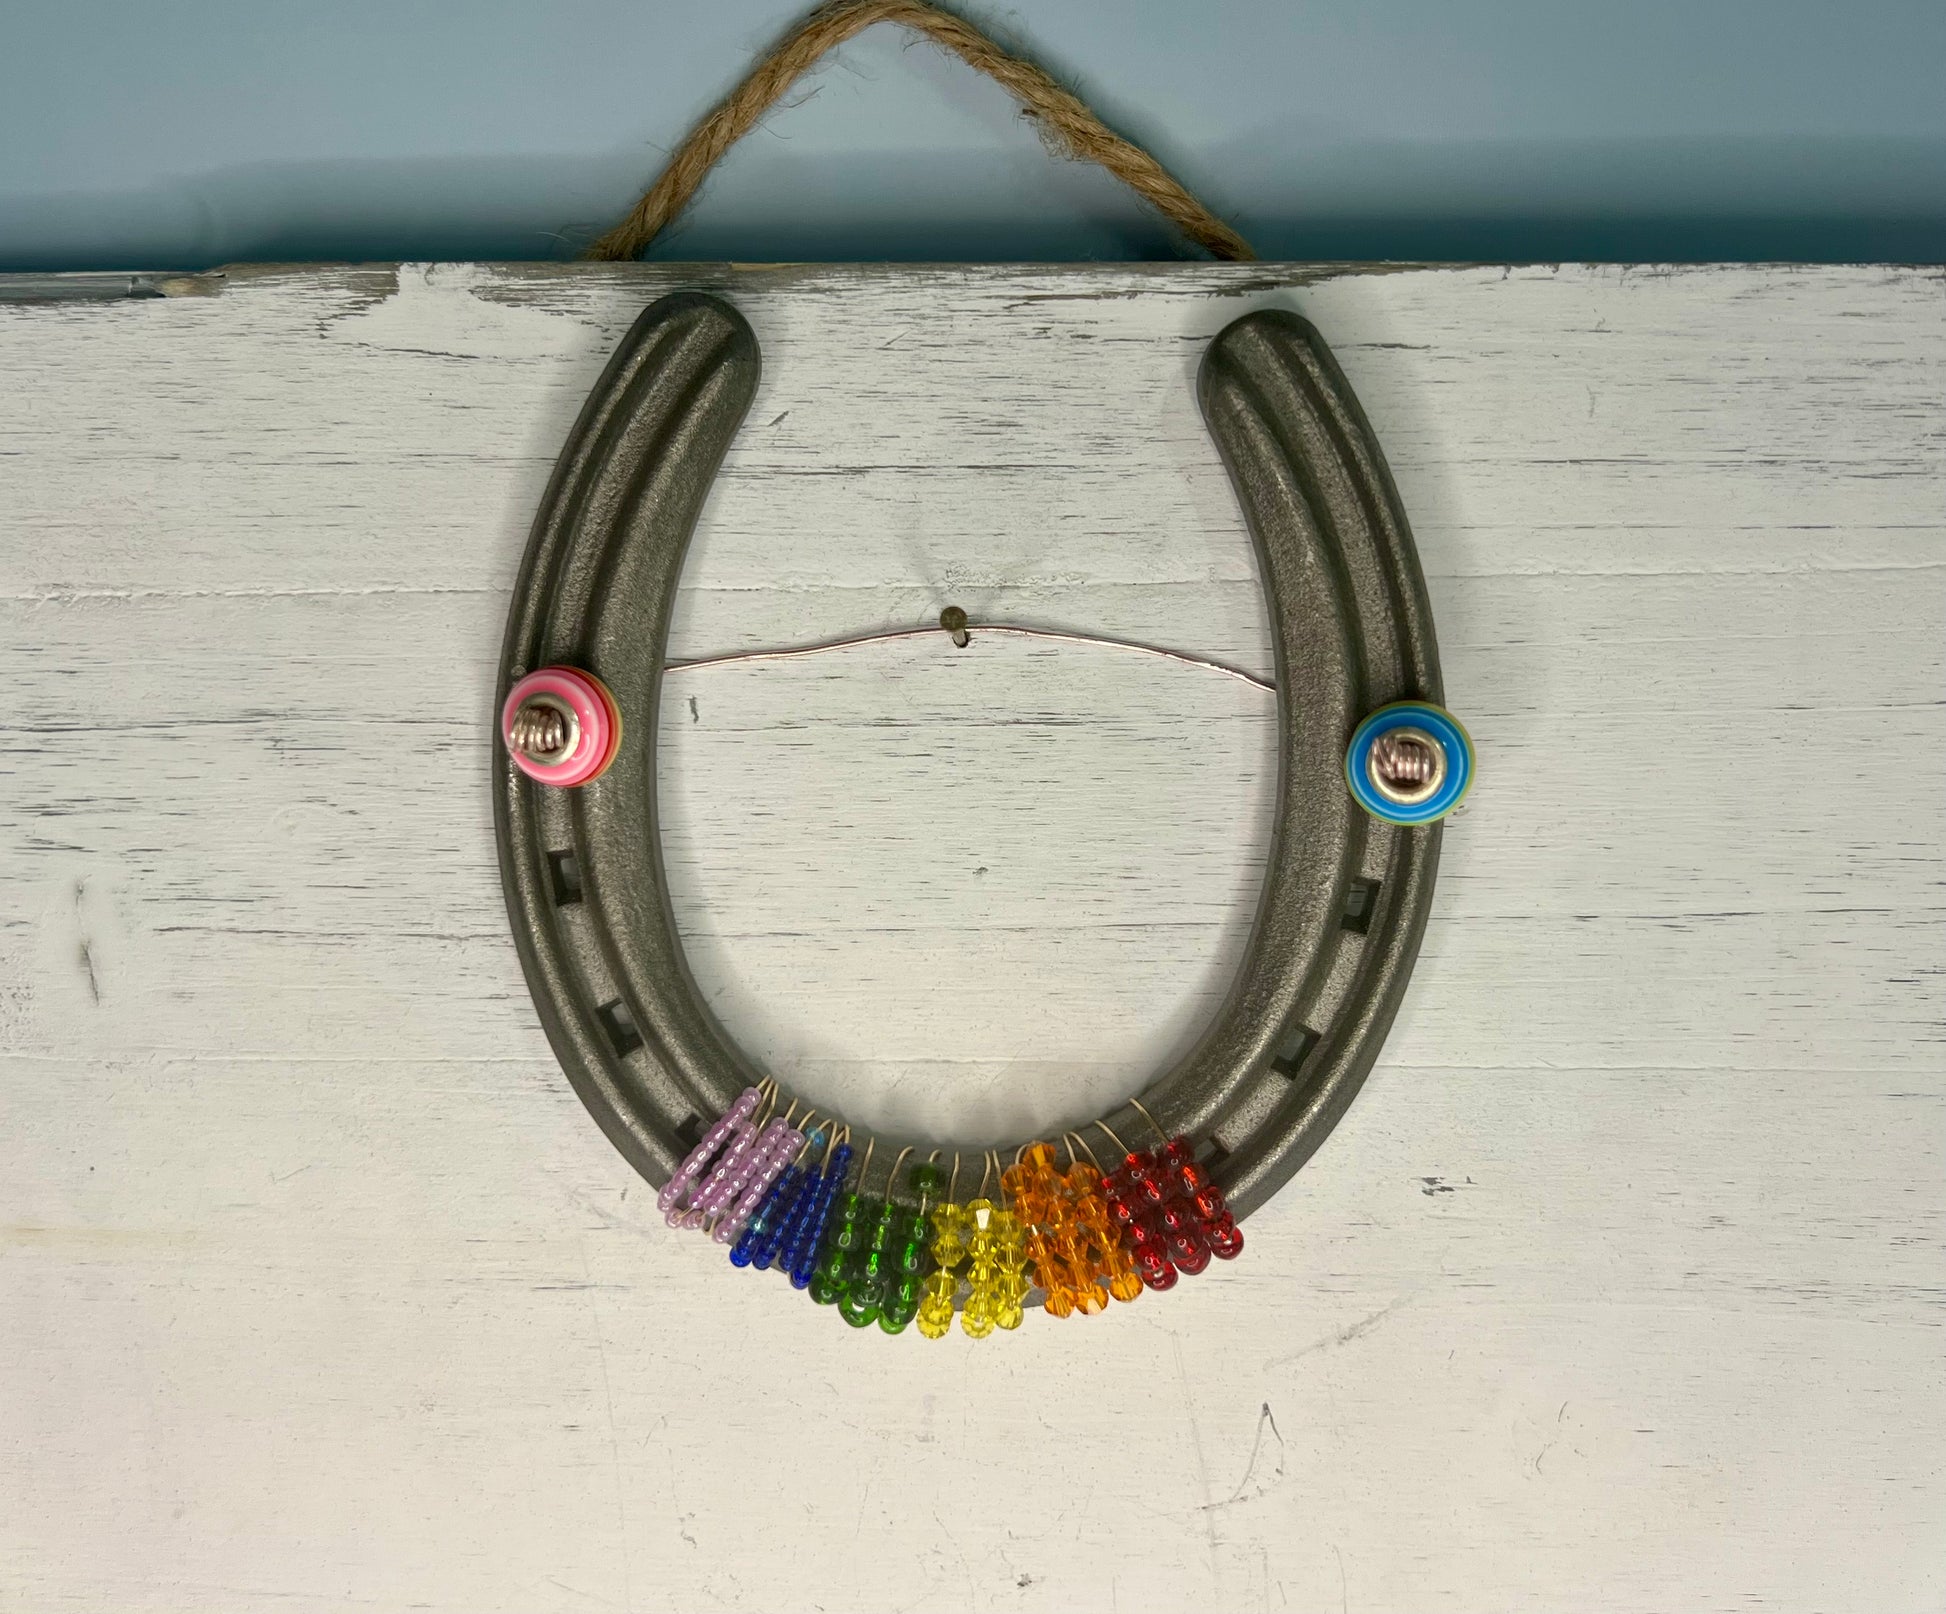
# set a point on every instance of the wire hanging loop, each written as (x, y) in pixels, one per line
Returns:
(962, 637)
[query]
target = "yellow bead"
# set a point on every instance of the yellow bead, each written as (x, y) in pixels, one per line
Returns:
(1008, 1314)
(934, 1321)
(977, 1319)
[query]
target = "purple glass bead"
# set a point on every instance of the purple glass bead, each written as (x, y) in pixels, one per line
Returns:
(783, 1149)
(696, 1163)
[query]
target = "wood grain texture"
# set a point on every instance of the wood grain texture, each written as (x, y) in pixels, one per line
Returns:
(1622, 1285)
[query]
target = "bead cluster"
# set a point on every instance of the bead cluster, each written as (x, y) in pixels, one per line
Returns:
(1172, 1215)
(756, 1185)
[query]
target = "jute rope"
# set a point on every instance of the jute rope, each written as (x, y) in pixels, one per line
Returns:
(1065, 120)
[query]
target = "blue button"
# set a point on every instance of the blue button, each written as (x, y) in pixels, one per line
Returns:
(1438, 725)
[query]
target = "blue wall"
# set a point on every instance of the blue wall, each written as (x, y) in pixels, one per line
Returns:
(157, 136)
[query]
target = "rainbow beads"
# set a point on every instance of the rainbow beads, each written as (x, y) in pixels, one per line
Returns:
(908, 1255)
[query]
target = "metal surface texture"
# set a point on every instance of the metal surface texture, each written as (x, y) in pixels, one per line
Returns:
(1345, 898)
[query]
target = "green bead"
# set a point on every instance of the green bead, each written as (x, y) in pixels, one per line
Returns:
(860, 1305)
(912, 1257)
(854, 1230)
(826, 1290)
(894, 1322)
(926, 1179)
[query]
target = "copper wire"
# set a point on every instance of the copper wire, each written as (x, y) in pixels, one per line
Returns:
(793, 652)
(1140, 1110)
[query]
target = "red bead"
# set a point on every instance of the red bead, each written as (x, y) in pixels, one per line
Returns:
(1138, 1165)
(1192, 1177)
(1191, 1255)
(1178, 1153)
(1225, 1240)
(1154, 1190)
(1175, 1218)
(1156, 1271)
(1210, 1203)
(1141, 1236)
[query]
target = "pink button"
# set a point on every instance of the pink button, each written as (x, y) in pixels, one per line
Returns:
(586, 711)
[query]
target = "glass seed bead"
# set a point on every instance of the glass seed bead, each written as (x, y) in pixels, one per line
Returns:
(1178, 1152)
(828, 1282)
(1190, 1255)
(854, 1227)
(1157, 1273)
(861, 1311)
(1225, 1240)
(809, 1242)
(1210, 1204)
(772, 1222)
(926, 1179)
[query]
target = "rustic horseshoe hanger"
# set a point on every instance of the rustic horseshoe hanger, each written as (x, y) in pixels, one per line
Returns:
(1346, 893)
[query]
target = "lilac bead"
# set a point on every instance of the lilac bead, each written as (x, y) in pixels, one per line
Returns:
(676, 1190)
(727, 1182)
(783, 1150)
(711, 1198)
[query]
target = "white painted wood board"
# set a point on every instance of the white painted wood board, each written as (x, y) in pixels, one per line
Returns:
(1620, 1287)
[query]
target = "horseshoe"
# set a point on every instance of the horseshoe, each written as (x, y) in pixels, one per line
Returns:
(1346, 894)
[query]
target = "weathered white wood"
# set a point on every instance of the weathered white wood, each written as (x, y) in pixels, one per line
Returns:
(1622, 1285)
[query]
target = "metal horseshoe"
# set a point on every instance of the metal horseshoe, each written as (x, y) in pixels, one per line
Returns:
(1346, 894)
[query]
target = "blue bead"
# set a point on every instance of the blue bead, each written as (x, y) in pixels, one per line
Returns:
(800, 1183)
(755, 1230)
(810, 1241)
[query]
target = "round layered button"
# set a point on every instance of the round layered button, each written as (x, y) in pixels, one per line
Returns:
(561, 726)
(1410, 763)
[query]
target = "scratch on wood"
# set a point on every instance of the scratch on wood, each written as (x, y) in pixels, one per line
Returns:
(1249, 1488)
(1345, 1336)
